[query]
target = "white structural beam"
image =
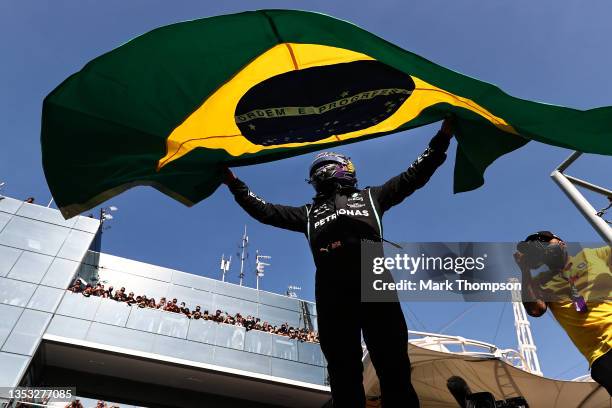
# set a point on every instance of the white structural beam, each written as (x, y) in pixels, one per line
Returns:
(568, 186)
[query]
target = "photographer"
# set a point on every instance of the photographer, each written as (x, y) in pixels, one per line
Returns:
(576, 289)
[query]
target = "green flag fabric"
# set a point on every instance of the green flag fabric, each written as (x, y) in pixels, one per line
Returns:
(174, 106)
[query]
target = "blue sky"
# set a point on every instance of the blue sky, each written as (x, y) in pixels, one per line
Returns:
(546, 51)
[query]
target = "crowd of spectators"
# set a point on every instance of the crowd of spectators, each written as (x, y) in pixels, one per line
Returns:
(249, 322)
(100, 404)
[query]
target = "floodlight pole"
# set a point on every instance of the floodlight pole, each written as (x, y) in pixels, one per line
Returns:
(568, 186)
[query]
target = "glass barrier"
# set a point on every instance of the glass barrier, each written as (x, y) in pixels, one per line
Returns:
(174, 335)
(230, 336)
(173, 324)
(79, 306)
(143, 319)
(112, 312)
(203, 331)
(284, 347)
(310, 353)
(259, 342)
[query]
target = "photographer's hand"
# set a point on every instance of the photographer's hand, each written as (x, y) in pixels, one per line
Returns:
(534, 306)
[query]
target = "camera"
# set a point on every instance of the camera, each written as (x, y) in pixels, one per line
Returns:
(464, 396)
(537, 253)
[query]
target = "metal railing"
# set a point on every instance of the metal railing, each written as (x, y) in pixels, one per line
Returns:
(568, 185)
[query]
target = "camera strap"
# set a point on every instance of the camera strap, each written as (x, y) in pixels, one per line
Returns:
(577, 300)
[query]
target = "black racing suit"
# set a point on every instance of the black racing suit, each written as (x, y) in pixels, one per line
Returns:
(335, 225)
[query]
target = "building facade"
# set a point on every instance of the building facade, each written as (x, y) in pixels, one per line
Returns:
(51, 337)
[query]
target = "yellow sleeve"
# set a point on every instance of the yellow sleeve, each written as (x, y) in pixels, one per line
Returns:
(604, 253)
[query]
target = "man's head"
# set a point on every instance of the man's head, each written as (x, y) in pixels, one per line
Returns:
(544, 247)
(330, 169)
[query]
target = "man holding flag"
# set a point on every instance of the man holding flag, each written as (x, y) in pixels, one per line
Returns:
(340, 217)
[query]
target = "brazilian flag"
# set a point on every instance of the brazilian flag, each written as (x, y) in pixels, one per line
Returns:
(170, 108)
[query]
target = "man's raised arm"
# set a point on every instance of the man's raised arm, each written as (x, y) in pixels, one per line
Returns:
(418, 174)
(281, 216)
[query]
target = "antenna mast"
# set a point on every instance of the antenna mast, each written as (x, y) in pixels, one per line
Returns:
(243, 244)
(225, 265)
(291, 291)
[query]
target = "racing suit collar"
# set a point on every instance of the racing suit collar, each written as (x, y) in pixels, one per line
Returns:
(337, 189)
